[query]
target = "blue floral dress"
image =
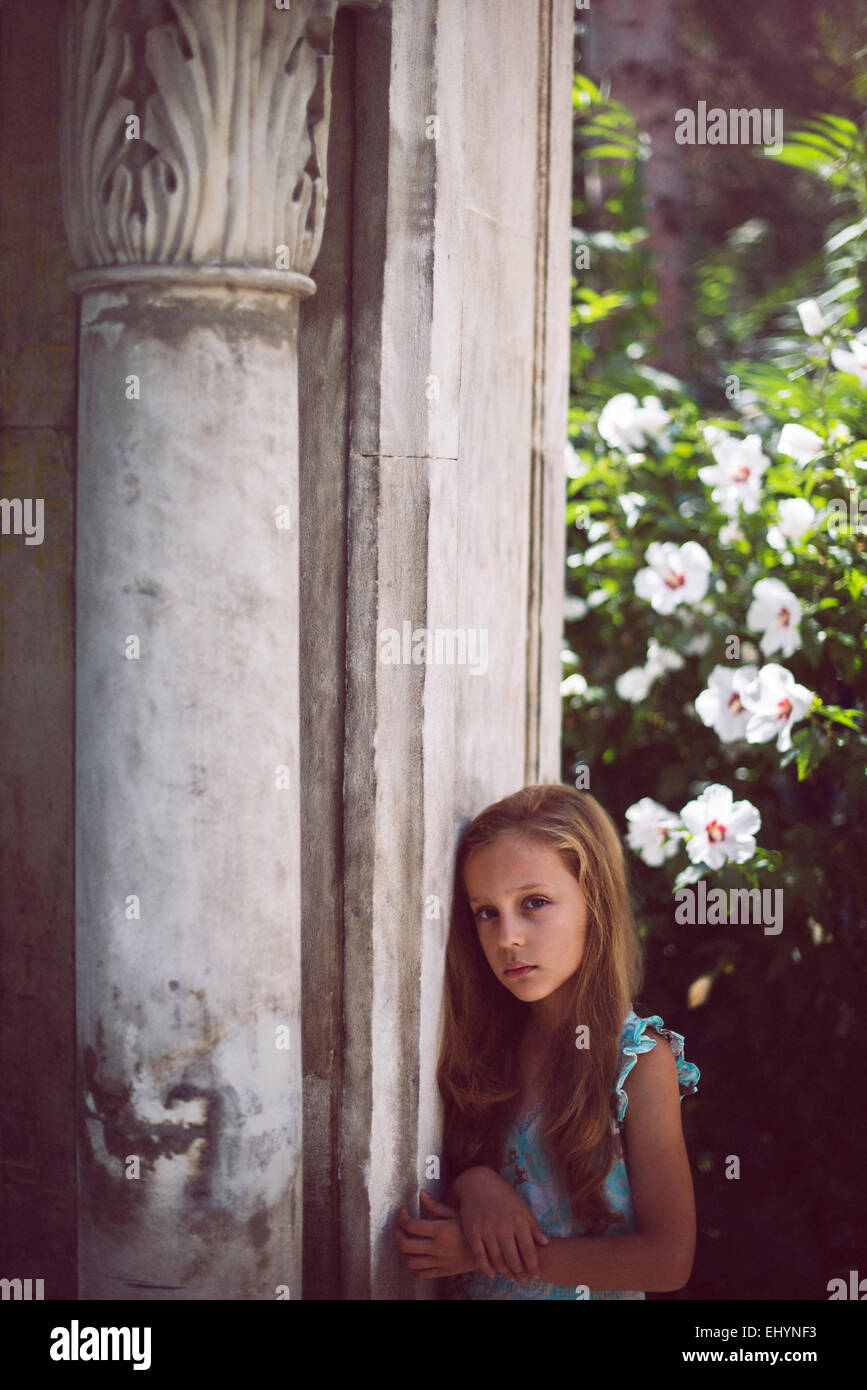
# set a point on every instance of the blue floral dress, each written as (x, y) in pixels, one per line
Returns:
(527, 1167)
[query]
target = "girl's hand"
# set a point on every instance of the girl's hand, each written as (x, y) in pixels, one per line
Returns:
(433, 1249)
(499, 1226)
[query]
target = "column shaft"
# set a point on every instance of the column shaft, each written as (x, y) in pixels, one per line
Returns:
(187, 816)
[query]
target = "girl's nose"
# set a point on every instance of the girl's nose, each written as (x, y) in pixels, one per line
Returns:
(511, 932)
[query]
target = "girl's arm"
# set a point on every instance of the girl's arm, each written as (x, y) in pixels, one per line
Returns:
(659, 1256)
(500, 1229)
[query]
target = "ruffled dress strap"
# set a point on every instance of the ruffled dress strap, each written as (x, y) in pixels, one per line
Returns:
(634, 1040)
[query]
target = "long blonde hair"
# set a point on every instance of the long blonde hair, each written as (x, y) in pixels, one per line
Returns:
(478, 1064)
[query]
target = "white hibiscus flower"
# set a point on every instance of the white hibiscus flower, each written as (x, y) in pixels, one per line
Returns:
(854, 358)
(574, 685)
(721, 829)
(720, 706)
(653, 421)
(698, 645)
(661, 659)
(634, 685)
(736, 475)
(796, 518)
(627, 426)
(775, 702)
(713, 435)
(651, 831)
(840, 434)
(575, 466)
(730, 534)
(676, 574)
(798, 443)
(574, 608)
(776, 614)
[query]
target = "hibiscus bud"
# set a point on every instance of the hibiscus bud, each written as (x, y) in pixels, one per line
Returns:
(811, 318)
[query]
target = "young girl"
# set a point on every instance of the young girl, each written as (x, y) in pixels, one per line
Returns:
(542, 1061)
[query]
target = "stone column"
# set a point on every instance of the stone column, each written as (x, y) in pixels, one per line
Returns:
(194, 142)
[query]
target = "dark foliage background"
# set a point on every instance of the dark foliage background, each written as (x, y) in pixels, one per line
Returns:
(776, 1024)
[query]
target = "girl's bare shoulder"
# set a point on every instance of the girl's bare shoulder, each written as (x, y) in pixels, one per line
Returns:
(654, 1072)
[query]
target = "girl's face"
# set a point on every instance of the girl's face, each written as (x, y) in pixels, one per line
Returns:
(529, 911)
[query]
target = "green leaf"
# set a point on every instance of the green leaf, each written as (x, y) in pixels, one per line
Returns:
(814, 746)
(855, 581)
(609, 151)
(847, 717)
(584, 92)
(770, 859)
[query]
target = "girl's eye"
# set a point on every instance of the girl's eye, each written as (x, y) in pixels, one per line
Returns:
(479, 914)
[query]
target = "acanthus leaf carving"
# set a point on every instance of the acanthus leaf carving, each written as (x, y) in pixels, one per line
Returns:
(232, 99)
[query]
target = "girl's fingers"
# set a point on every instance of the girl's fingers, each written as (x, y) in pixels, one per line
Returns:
(413, 1245)
(497, 1258)
(480, 1255)
(437, 1207)
(413, 1225)
(512, 1257)
(538, 1234)
(527, 1248)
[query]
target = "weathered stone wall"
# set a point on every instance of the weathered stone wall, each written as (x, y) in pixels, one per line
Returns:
(458, 380)
(323, 393)
(37, 668)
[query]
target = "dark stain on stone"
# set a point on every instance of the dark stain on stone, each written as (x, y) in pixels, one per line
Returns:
(125, 1133)
(219, 1130)
(142, 1284)
(109, 1099)
(142, 586)
(171, 321)
(259, 1229)
(198, 784)
(209, 1150)
(114, 1201)
(215, 1230)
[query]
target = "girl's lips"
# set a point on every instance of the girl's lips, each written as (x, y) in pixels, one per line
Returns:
(515, 971)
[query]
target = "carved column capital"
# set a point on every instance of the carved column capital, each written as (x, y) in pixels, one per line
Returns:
(194, 139)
